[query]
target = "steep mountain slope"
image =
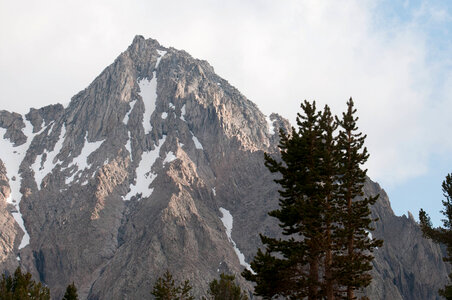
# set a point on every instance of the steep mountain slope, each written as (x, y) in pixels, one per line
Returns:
(142, 172)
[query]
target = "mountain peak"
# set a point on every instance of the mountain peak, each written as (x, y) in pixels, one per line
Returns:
(138, 169)
(143, 47)
(138, 38)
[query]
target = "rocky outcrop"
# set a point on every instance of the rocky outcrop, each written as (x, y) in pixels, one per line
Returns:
(10, 232)
(13, 123)
(44, 116)
(128, 181)
(403, 267)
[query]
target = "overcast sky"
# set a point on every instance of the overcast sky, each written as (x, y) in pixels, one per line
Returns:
(392, 56)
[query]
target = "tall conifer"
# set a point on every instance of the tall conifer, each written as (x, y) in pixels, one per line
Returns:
(71, 293)
(165, 288)
(329, 173)
(226, 289)
(353, 260)
(327, 251)
(303, 214)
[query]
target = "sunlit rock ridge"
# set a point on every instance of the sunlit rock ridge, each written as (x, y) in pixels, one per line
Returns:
(156, 165)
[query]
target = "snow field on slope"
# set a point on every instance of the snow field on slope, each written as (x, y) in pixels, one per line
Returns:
(148, 92)
(47, 167)
(198, 145)
(271, 126)
(129, 145)
(169, 157)
(12, 158)
(144, 174)
(182, 113)
(81, 160)
(126, 117)
(227, 222)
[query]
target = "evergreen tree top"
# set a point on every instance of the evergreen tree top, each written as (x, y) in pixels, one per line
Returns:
(327, 251)
(71, 292)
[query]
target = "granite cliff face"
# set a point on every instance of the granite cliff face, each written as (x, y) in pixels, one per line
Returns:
(148, 169)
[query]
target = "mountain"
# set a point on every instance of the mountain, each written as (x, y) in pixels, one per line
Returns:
(156, 165)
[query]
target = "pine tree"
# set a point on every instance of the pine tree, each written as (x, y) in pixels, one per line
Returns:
(165, 289)
(329, 174)
(353, 261)
(185, 291)
(226, 289)
(442, 235)
(304, 214)
(327, 252)
(71, 293)
(22, 287)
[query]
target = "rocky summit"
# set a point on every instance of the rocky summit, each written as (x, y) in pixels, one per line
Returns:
(158, 165)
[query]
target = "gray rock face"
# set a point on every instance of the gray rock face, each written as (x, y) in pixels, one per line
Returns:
(10, 232)
(128, 181)
(407, 266)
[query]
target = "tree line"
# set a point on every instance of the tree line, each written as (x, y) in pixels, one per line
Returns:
(20, 286)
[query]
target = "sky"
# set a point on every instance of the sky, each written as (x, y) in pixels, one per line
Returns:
(392, 56)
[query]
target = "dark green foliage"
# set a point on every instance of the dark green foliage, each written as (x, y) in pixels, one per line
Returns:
(22, 287)
(353, 261)
(226, 289)
(71, 293)
(442, 235)
(165, 289)
(297, 273)
(327, 252)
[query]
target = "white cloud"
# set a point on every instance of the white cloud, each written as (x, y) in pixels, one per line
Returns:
(276, 52)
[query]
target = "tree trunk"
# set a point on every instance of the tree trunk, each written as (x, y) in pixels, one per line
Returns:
(314, 278)
(328, 273)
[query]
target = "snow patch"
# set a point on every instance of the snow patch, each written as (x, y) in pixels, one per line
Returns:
(198, 145)
(171, 105)
(12, 157)
(182, 113)
(214, 191)
(369, 234)
(148, 92)
(20, 221)
(227, 222)
(126, 117)
(145, 176)
(129, 145)
(81, 160)
(164, 115)
(271, 126)
(41, 171)
(161, 53)
(51, 128)
(71, 178)
(169, 157)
